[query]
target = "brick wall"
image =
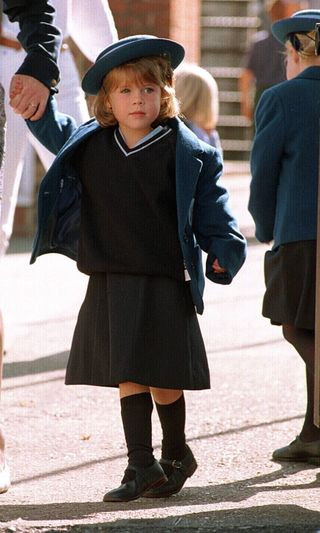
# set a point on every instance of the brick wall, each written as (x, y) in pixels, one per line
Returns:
(173, 19)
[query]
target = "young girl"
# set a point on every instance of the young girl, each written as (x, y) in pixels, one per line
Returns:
(283, 203)
(198, 96)
(149, 201)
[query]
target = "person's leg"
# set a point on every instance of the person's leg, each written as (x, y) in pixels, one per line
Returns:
(16, 143)
(4, 471)
(177, 459)
(303, 341)
(143, 471)
(305, 447)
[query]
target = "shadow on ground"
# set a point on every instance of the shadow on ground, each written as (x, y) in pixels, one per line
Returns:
(49, 363)
(228, 493)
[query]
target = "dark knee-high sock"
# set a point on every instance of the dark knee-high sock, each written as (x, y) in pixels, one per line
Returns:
(136, 413)
(304, 343)
(172, 418)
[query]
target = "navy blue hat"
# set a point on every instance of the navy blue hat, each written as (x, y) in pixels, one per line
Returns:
(125, 50)
(301, 21)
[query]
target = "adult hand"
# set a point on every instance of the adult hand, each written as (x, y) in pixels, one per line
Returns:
(28, 96)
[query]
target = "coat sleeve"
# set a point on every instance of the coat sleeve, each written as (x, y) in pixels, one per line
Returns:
(266, 156)
(38, 36)
(54, 128)
(214, 225)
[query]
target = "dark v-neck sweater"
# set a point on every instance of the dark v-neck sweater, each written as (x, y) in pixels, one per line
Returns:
(128, 205)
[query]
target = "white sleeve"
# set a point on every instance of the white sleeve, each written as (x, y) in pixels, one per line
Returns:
(92, 26)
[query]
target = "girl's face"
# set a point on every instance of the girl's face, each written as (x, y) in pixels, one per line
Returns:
(135, 105)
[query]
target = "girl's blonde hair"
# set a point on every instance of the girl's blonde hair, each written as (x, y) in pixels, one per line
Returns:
(197, 92)
(306, 44)
(151, 69)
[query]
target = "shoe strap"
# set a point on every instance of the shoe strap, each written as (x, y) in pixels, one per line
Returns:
(174, 463)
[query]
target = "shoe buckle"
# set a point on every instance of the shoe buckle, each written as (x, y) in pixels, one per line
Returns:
(177, 464)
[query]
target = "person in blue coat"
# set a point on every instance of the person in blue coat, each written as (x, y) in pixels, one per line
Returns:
(283, 203)
(133, 196)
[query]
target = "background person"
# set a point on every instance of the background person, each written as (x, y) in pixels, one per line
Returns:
(35, 78)
(283, 203)
(263, 65)
(197, 92)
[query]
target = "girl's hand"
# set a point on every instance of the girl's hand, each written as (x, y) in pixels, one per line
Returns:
(217, 268)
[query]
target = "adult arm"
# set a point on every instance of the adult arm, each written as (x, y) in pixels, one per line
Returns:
(266, 156)
(39, 73)
(247, 88)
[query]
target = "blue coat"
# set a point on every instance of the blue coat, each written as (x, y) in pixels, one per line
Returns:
(204, 216)
(284, 160)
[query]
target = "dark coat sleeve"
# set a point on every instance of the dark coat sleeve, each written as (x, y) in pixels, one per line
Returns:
(38, 36)
(214, 225)
(266, 157)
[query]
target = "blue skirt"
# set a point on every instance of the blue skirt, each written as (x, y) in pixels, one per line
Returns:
(137, 328)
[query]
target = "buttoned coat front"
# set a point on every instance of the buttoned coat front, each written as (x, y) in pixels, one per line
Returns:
(205, 220)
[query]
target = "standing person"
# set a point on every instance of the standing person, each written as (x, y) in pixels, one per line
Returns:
(31, 85)
(91, 26)
(263, 65)
(197, 92)
(283, 203)
(150, 199)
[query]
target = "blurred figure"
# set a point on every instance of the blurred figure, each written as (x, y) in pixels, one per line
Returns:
(197, 92)
(36, 76)
(91, 26)
(264, 61)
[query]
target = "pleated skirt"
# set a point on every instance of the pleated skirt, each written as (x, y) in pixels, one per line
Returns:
(290, 277)
(142, 329)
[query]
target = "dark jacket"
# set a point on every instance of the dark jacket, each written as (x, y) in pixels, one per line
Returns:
(284, 160)
(204, 217)
(38, 36)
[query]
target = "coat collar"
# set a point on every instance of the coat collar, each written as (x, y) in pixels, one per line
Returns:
(310, 73)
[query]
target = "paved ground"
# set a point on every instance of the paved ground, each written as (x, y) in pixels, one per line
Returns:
(65, 444)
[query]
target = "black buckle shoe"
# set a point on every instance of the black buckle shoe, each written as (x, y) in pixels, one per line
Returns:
(143, 479)
(181, 470)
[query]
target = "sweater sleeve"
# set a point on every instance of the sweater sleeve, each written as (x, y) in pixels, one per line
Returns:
(38, 36)
(266, 155)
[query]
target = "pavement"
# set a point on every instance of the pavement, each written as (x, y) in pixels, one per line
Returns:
(65, 444)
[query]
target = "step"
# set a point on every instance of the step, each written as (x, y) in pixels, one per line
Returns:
(227, 7)
(230, 22)
(236, 145)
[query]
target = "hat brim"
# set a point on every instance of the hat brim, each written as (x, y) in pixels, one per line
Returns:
(282, 28)
(92, 80)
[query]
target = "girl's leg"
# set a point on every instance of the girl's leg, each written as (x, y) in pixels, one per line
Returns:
(143, 471)
(177, 459)
(136, 411)
(304, 342)
(171, 409)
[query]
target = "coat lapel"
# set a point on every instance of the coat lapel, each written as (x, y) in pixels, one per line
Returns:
(188, 168)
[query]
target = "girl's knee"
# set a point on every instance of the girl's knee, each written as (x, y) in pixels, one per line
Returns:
(165, 396)
(289, 333)
(129, 388)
